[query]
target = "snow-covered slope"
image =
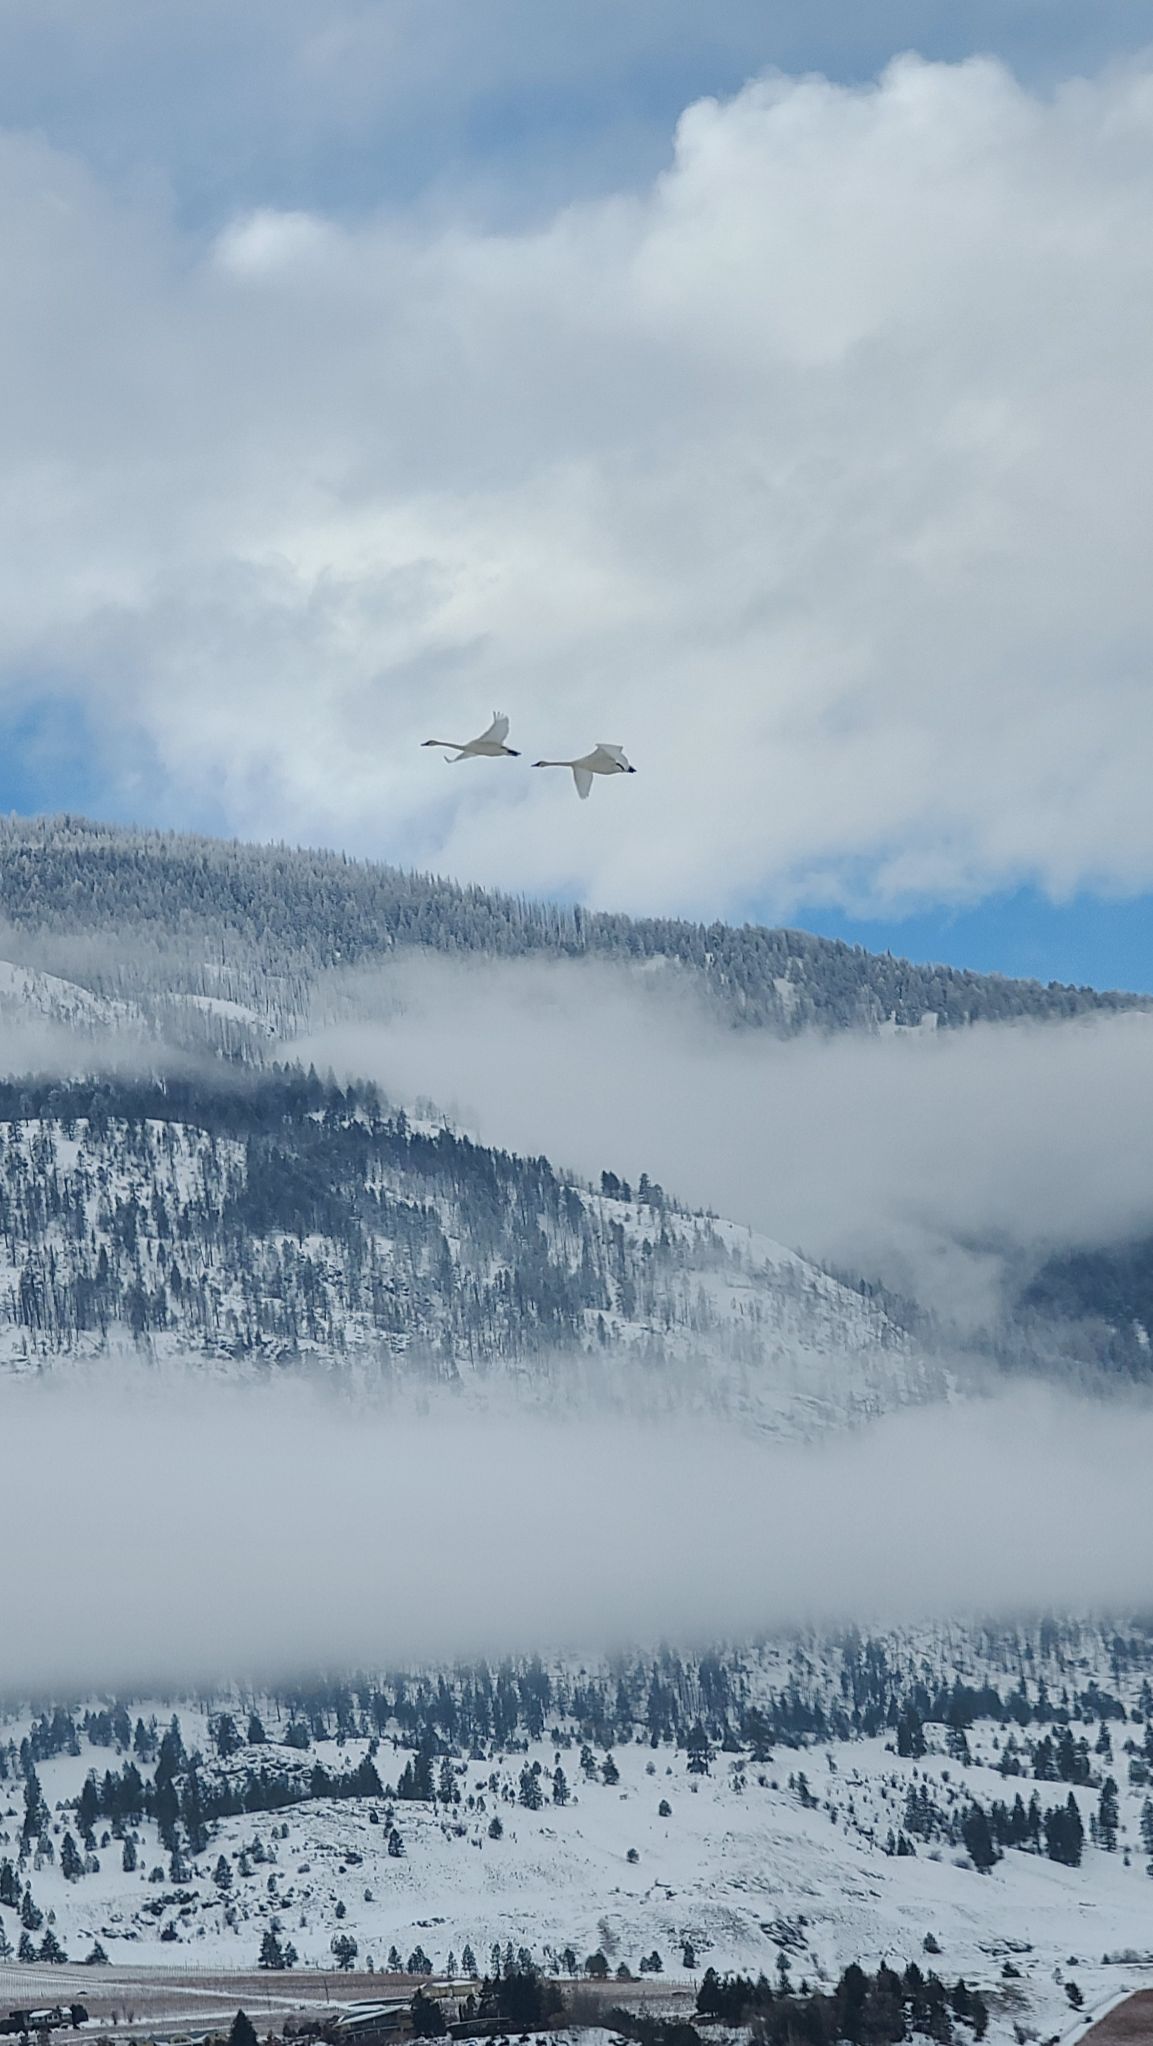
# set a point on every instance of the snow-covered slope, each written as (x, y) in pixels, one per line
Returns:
(145, 897)
(255, 1231)
(705, 1856)
(27, 994)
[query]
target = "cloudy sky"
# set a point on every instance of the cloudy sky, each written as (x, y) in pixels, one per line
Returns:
(766, 388)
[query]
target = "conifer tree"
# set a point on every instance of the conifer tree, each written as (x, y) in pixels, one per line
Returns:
(699, 1751)
(1108, 1815)
(428, 2019)
(36, 1816)
(978, 1838)
(530, 1793)
(910, 1734)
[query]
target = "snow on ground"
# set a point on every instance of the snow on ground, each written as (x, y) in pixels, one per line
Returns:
(25, 991)
(741, 1868)
(220, 1005)
(736, 1326)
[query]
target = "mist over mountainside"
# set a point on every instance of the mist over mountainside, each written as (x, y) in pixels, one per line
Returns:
(448, 1396)
(142, 914)
(137, 952)
(292, 1223)
(575, 1458)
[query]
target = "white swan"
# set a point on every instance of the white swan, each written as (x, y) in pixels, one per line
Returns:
(602, 760)
(489, 746)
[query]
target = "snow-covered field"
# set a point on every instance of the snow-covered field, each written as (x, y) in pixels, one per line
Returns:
(741, 1869)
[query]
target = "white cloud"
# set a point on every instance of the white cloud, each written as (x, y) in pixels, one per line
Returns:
(328, 1538)
(817, 474)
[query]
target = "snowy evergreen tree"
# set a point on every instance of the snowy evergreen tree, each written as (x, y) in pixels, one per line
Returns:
(1108, 1815)
(978, 1838)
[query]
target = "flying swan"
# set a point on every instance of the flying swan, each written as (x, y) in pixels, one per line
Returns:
(602, 760)
(489, 746)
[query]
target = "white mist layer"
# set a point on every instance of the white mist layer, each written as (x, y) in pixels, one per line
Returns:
(928, 1159)
(184, 1533)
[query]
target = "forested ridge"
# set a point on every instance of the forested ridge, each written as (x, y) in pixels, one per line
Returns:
(272, 1218)
(401, 1737)
(137, 913)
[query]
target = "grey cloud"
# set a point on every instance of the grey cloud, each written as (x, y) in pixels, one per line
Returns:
(195, 1533)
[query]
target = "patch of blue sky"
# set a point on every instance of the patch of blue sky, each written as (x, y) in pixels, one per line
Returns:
(516, 106)
(1088, 940)
(53, 759)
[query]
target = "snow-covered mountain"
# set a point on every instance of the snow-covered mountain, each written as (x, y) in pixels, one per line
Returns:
(210, 1211)
(150, 916)
(26, 993)
(802, 1804)
(289, 1224)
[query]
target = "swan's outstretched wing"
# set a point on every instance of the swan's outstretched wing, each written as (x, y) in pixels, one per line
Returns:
(584, 781)
(497, 731)
(614, 753)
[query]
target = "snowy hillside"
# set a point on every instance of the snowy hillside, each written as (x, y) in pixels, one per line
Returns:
(733, 1842)
(150, 915)
(290, 1224)
(27, 995)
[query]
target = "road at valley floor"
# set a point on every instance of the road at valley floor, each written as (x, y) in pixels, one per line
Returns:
(132, 2001)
